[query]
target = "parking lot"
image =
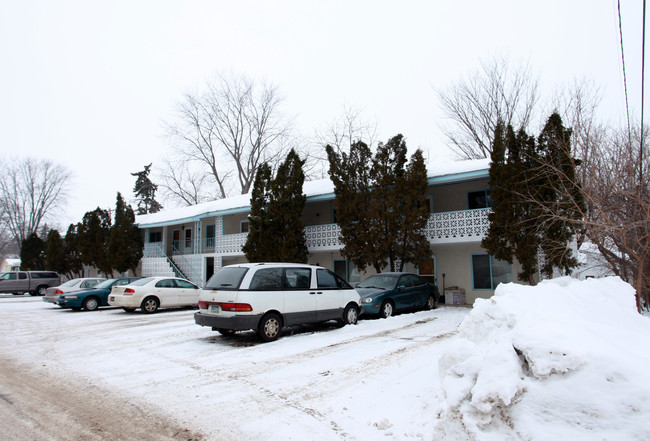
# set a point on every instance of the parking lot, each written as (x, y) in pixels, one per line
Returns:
(378, 378)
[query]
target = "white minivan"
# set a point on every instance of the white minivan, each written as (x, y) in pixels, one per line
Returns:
(266, 297)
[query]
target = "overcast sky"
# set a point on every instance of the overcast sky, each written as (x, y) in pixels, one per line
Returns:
(88, 83)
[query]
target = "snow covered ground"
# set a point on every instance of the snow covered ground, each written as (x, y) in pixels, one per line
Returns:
(564, 360)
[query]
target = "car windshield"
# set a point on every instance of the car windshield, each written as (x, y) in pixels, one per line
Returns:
(105, 284)
(379, 281)
(227, 278)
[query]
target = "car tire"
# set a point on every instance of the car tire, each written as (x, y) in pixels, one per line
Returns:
(387, 309)
(431, 303)
(41, 290)
(149, 305)
(129, 309)
(91, 304)
(270, 327)
(223, 331)
(350, 315)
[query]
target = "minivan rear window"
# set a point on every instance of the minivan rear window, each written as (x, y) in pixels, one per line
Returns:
(226, 278)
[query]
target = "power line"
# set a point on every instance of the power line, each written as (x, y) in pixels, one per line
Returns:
(642, 98)
(627, 105)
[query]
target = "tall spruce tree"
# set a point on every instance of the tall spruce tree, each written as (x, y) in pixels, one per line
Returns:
(93, 234)
(355, 215)
(527, 180)
(381, 205)
(560, 195)
(276, 230)
(145, 192)
(257, 248)
(55, 252)
(32, 253)
(74, 267)
(125, 240)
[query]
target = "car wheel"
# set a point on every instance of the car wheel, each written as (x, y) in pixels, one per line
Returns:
(223, 331)
(431, 303)
(149, 305)
(350, 315)
(91, 304)
(270, 327)
(386, 309)
(41, 290)
(129, 309)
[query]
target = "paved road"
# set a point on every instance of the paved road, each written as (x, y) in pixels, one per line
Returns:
(35, 407)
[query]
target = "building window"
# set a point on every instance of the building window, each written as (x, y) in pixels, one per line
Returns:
(155, 236)
(243, 226)
(488, 272)
(188, 238)
(210, 231)
(347, 271)
(479, 199)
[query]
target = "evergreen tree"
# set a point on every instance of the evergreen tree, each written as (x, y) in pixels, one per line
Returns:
(257, 248)
(74, 266)
(55, 252)
(527, 180)
(413, 246)
(355, 215)
(276, 231)
(32, 253)
(285, 210)
(125, 240)
(560, 194)
(381, 204)
(93, 237)
(145, 192)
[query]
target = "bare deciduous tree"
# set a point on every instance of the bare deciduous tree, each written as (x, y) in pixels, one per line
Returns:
(343, 131)
(614, 202)
(235, 124)
(29, 190)
(473, 105)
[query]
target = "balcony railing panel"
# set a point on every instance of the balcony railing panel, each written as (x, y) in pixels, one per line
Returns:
(453, 226)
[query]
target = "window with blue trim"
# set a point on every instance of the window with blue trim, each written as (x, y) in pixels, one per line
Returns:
(488, 272)
(479, 199)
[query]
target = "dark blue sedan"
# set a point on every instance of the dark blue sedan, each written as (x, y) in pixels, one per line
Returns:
(386, 293)
(92, 298)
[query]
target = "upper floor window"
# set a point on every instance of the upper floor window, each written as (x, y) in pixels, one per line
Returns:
(479, 199)
(188, 237)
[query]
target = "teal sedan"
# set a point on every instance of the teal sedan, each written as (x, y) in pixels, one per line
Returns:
(386, 293)
(92, 298)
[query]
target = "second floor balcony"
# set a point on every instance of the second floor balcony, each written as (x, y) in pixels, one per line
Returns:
(448, 227)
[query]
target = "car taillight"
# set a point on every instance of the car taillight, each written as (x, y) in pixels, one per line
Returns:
(236, 307)
(128, 291)
(58, 291)
(232, 307)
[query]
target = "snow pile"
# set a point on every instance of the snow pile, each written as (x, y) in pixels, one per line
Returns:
(566, 359)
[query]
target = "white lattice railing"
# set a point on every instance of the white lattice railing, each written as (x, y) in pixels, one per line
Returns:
(454, 226)
(323, 237)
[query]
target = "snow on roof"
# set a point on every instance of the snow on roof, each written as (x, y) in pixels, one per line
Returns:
(442, 171)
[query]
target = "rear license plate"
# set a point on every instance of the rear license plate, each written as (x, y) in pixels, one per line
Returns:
(215, 309)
